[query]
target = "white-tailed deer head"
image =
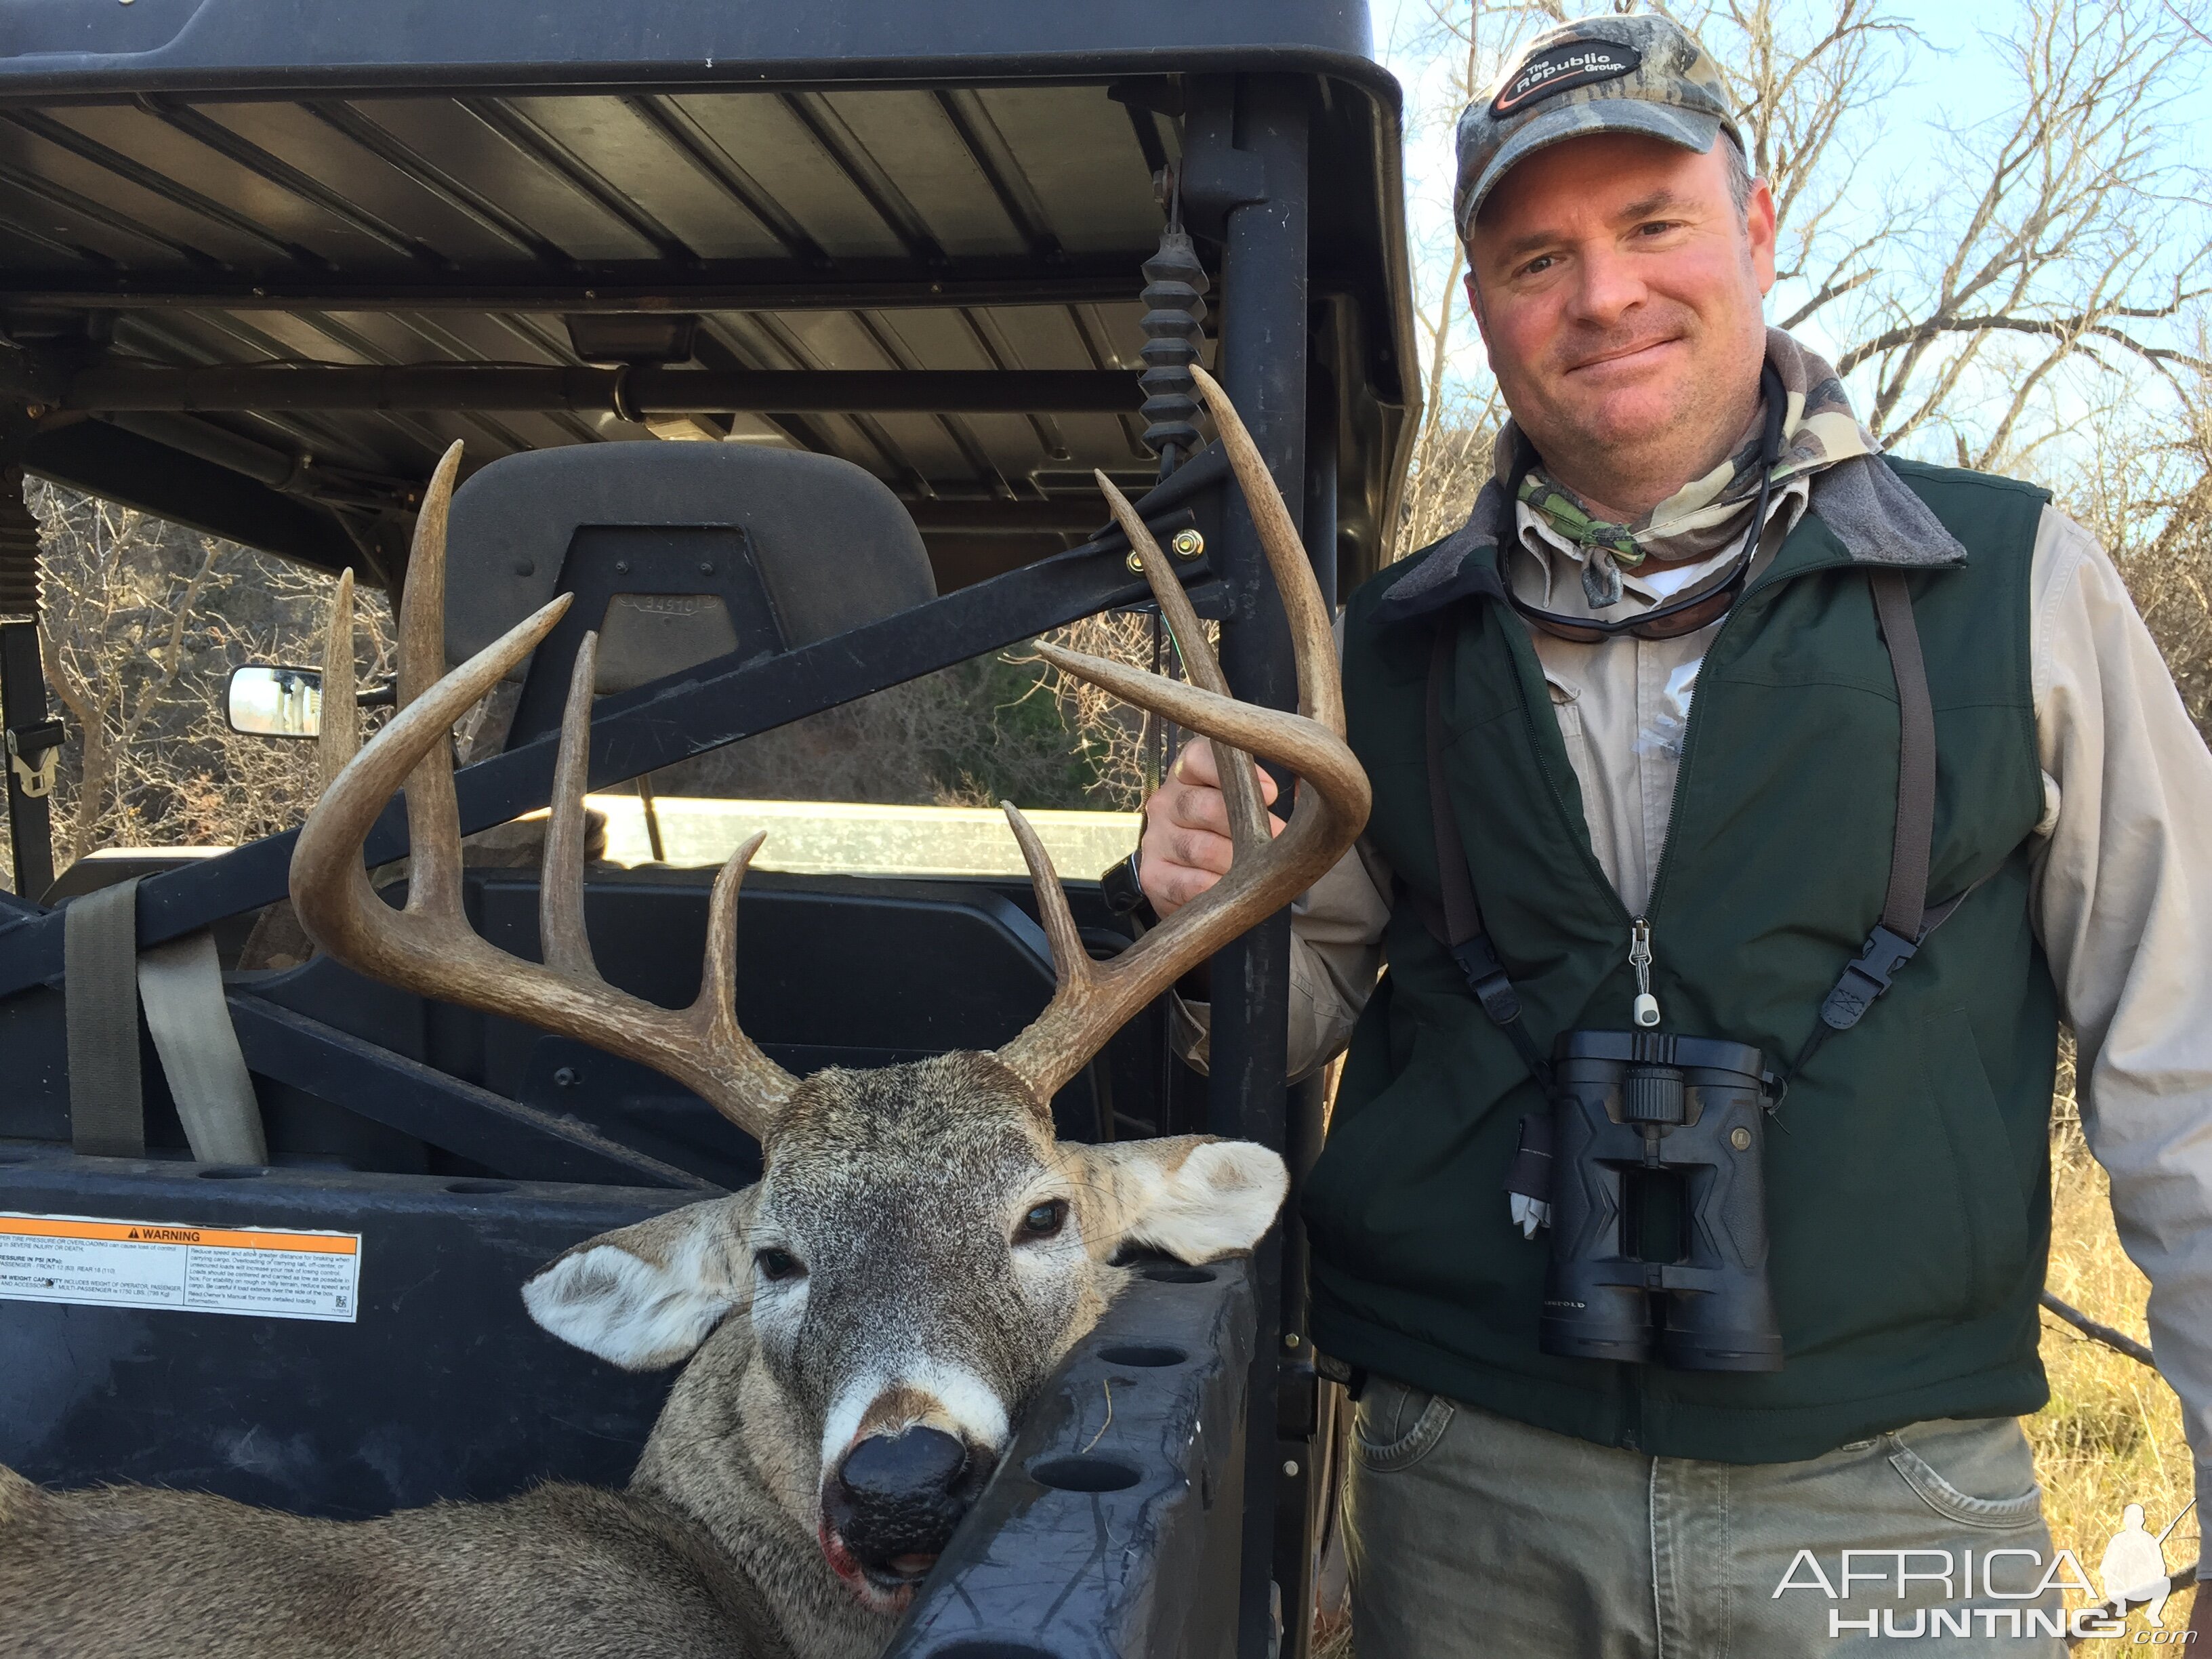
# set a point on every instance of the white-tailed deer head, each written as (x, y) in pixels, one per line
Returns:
(922, 1250)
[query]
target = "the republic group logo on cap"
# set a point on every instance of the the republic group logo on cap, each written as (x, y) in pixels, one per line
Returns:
(1563, 66)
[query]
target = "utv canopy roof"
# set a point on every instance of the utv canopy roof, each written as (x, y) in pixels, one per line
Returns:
(262, 262)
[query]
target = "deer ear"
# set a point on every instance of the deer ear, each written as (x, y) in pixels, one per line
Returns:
(1193, 1196)
(644, 1296)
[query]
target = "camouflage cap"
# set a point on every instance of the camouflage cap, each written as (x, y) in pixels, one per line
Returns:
(1607, 74)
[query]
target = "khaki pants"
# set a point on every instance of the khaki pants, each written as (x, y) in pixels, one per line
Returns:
(1470, 1534)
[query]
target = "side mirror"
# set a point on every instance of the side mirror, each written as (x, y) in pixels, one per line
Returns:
(284, 703)
(275, 702)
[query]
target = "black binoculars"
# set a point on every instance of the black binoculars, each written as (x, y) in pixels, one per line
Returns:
(1659, 1203)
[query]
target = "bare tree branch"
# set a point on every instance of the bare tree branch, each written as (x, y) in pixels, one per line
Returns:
(1834, 289)
(2080, 325)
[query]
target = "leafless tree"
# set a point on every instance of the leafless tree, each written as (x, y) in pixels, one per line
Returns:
(144, 621)
(1451, 450)
(141, 622)
(113, 642)
(1002, 726)
(1124, 748)
(2067, 229)
(2145, 492)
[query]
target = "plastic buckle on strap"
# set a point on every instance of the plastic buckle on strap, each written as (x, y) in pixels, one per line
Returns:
(1485, 977)
(1122, 888)
(32, 751)
(1867, 978)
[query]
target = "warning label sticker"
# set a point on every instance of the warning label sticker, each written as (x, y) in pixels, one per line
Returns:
(145, 1264)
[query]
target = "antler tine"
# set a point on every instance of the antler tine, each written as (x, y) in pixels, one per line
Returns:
(566, 946)
(1077, 973)
(1094, 1000)
(1248, 816)
(1070, 960)
(1321, 695)
(330, 887)
(434, 819)
(738, 1080)
(337, 738)
(1317, 755)
(757, 1084)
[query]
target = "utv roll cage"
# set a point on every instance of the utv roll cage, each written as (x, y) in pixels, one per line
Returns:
(263, 264)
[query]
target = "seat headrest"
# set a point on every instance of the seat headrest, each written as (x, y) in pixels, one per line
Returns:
(677, 552)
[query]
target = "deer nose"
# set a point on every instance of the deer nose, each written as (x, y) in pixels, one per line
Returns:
(896, 1497)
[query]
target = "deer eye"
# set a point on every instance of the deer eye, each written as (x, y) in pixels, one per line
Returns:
(777, 1264)
(1043, 1221)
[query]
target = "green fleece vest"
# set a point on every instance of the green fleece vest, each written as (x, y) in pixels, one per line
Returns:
(1907, 1175)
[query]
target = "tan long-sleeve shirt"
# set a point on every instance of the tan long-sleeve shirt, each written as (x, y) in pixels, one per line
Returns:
(2122, 900)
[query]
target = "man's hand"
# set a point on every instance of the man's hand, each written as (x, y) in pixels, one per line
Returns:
(1186, 847)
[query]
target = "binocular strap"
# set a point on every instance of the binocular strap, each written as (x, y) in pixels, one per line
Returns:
(1907, 918)
(1457, 923)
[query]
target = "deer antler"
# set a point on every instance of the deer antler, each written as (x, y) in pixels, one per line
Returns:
(1096, 999)
(428, 947)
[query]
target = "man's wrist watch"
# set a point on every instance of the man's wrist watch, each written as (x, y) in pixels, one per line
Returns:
(1124, 892)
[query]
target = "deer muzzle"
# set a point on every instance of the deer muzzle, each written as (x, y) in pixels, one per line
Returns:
(890, 1506)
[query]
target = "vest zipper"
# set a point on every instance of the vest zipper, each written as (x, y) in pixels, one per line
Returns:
(1646, 1014)
(1646, 1008)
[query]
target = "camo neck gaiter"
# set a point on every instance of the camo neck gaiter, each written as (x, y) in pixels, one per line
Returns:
(1705, 515)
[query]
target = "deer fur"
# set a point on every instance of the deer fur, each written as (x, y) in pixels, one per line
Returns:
(902, 1192)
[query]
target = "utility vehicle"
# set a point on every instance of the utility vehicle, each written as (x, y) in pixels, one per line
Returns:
(787, 340)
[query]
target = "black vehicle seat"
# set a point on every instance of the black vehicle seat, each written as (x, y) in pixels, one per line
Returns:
(676, 553)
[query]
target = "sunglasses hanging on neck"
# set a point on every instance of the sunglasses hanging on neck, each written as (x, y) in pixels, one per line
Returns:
(1686, 616)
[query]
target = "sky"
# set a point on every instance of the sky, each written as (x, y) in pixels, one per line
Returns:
(1956, 75)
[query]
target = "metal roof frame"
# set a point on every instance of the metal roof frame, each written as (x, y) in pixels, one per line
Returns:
(262, 263)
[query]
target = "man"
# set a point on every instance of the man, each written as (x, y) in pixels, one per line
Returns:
(1683, 503)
